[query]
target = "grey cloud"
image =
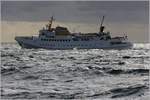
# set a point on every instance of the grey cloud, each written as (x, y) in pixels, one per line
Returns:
(85, 11)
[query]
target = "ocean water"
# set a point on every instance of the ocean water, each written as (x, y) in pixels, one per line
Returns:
(75, 74)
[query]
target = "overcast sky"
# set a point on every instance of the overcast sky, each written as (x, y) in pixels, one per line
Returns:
(131, 17)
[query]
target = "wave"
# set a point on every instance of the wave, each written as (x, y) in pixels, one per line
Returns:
(134, 57)
(126, 91)
(122, 92)
(128, 71)
(13, 69)
(74, 74)
(30, 77)
(41, 94)
(141, 46)
(141, 71)
(10, 70)
(115, 71)
(18, 95)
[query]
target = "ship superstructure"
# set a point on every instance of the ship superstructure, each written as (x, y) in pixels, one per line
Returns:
(61, 38)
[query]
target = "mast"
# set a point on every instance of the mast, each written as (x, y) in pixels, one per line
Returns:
(50, 23)
(101, 25)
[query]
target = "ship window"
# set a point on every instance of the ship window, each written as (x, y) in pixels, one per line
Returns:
(75, 39)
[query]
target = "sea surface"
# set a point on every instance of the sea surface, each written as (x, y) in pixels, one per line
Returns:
(75, 74)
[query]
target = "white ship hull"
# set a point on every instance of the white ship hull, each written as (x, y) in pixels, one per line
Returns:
(35, 42)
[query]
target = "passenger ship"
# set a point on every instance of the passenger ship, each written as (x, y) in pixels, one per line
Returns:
(61, 38)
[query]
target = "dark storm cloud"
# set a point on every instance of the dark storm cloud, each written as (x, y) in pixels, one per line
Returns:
(85, 11)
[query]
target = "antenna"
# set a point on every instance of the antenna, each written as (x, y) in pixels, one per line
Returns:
(101, 25)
